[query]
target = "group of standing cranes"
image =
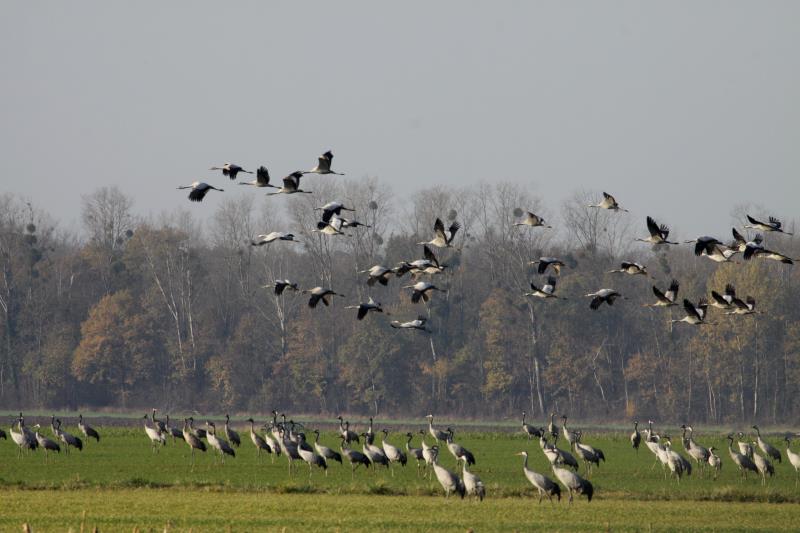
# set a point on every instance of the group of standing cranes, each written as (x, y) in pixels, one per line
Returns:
(745, 456)
(27, 440)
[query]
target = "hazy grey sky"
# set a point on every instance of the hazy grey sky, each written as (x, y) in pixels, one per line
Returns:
(682, 109)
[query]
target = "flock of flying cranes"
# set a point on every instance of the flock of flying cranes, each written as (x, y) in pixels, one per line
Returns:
(332, 223)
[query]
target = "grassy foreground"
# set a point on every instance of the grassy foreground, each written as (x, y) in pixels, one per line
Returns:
(120, 485)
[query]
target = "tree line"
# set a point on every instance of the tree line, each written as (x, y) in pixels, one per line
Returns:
(172, 311)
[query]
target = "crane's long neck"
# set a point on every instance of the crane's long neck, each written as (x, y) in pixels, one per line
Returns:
(523, 418)
(525, 462)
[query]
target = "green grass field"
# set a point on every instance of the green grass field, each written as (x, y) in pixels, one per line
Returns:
(119, 484)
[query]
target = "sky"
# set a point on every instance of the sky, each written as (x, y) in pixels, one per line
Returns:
(682, 109)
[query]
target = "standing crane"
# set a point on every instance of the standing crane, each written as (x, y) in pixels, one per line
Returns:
(448, 480)
(529, 430)
(552, 428)
(794, 460)
(571, 436)
(714, 461)
(636, 437)
(46, 444)
(375, 454)
(87, 430)
(231, 434)
(310, 457)
(257, 440)
(766, 447)
(473, 486)
(192, 440)
(437, 434)
(544, 485)
(354, 457)
(171, 430)
(392, 452)
(324, 451)
(574, 483)
(68, 439)
(348, 435)
(764, 467)
(416, 453)
(218, 443)
(742, 462)
(457, 450)
(155, 436)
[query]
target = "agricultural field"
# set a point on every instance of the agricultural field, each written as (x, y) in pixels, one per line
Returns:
(119, 484)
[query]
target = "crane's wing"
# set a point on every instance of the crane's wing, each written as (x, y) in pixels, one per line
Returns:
(738, 237)
(672, 293)
(753, 220)
(430, 256)
(262, 176)
(775, 223)
(719, 299)
(453, 229)
(691, 310)
(595, 303)
(626, 265)
(438, 228)
(653, 228)
(362, 312)
(660, 295)
(751, 302)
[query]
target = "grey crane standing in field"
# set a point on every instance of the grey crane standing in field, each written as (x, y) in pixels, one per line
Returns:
(473, 486)
(87, 430)
(714, 461)
(155, 436)
(429, 453)
(369, 435)
(375, 454)
(589, 455)
(20, 439)
(764, 467)
(532, 220)
(231, 434)
(192, 440)
(745, 447)
(742, 462)
(529, 430)
(608, 202)
(449, 481)
(311, 458)
(552, 428)
(200, 433)
(354, 457)
(416, 453)
(658, 233)
(437, 434)
(458, 451)
(443, 239)
(543, 484)
(392, 452)
(676, 463)
(574, 483)
(324, 165)
(257, 440)
(695, 451)
(231, 170)
(69, 440)
(636, 437)
(46, 444)
(218, 443)
(571, 436)
(172, 430)
(324, 451)
(348, 435)
(766, 447)
(794, 460)
(199, 189)
(32, 444)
